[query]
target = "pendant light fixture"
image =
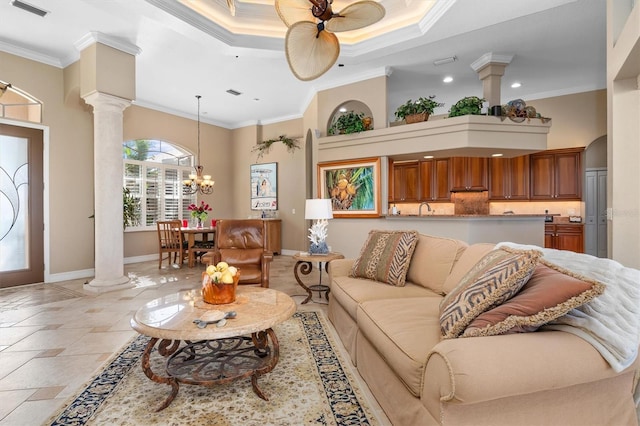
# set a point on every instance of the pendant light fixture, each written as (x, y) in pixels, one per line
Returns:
(198, 182)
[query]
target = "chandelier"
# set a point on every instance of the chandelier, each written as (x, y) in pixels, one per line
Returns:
(198, 182)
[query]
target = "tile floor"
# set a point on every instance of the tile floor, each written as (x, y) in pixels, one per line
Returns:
(55, 337)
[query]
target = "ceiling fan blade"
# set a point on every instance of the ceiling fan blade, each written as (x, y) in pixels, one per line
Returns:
(355, 16)
(292, 11)
(309, 53)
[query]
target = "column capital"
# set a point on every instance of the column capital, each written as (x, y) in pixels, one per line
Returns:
(491, 59)
(105, 102)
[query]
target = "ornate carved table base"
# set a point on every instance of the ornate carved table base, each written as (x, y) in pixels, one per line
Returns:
(214, 362)
(304, 265)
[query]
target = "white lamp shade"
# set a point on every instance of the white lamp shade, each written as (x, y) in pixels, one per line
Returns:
(319, 208)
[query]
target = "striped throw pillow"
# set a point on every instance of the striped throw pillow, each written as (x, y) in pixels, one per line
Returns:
(498, 276)
(550, 293)
(385, 256)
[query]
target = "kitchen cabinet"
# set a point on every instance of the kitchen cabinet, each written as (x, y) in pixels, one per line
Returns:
(556, 175)
(273, 231)
(468, 174)
(434, 180)
(404, 183)
(509, 178)
(564, 236)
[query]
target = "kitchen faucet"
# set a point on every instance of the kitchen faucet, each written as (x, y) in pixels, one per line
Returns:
(420, 208)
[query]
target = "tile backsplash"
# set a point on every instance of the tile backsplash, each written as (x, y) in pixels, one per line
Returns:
(562, 208)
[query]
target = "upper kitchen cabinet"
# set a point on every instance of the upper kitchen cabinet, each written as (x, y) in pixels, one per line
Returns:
(434, 180)
(468, 174)
(404, 182)
(556, 175)
(509, 178)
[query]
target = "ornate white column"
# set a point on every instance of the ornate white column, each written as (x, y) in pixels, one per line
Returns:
(107, 160)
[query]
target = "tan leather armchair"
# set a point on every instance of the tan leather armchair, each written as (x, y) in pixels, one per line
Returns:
(242, 243)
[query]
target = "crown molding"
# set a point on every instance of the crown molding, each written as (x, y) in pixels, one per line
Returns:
(26, 53)
(98, 37)
(491, 58)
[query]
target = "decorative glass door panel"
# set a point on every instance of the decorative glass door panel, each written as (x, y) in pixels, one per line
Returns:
(21, 217)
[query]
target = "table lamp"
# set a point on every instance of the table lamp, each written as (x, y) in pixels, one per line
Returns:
(318, 210)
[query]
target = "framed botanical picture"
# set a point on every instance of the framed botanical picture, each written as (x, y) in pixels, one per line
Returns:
(264, 186)
(352, 185)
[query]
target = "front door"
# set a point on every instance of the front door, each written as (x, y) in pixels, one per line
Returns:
(21, 205)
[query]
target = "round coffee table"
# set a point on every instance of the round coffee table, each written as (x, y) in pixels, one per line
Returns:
(246, 346)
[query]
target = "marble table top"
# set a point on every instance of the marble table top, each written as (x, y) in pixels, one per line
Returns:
(171, 317)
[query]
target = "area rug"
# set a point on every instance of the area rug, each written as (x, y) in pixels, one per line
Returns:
(312, 385)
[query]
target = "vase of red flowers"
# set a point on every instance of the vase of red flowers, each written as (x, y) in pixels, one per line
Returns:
(200, 212)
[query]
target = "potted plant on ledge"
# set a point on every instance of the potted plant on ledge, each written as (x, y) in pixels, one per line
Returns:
(471, 105)
(349, 122)
(416, 111)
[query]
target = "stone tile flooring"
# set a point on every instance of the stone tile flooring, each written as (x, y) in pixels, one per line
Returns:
(55, 337)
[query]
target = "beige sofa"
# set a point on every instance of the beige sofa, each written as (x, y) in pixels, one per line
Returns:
(393, 337)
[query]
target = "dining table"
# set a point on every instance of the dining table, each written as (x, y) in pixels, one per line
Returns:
(189, 234)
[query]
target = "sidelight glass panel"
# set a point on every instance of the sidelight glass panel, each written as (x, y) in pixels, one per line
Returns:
(14, 205)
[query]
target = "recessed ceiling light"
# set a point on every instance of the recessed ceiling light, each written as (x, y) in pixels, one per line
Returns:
(496, 155)
(428, 157)
(448, 79)
(516, 85)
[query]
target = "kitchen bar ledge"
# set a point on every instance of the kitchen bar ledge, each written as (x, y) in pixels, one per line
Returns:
(346, 234)
(465, 136)
(466, 216)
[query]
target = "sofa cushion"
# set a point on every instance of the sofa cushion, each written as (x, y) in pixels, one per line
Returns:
(403, 331)
(498, 276)
(349, 292)
(433, 260)
(386, 256)
(550, 293)
(469, 257)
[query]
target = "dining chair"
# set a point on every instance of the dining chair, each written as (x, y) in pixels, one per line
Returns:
(243, 243)
(170, 241)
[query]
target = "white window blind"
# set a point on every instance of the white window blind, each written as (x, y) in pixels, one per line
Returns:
(153, 173)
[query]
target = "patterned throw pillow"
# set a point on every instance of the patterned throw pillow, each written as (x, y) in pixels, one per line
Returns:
(498, 276)
(385, 256)
(550, 293)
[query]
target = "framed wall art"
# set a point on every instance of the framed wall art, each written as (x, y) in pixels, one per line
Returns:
(264, 186)
(352, 185)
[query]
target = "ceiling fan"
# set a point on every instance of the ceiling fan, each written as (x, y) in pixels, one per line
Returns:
(310, 45)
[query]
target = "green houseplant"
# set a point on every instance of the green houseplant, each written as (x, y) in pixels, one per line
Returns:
(471, 105)
(415, 111)
(129, 208)
(348, 122)
(264, 147)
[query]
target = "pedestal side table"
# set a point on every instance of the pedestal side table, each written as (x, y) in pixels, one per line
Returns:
(304, 265)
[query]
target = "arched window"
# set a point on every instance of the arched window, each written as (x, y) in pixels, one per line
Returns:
(19, 105)
(153, 174)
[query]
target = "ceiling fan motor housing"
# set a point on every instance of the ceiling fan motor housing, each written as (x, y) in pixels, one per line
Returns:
(321, 9)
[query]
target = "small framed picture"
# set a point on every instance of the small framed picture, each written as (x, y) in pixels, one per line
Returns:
(264, 186)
